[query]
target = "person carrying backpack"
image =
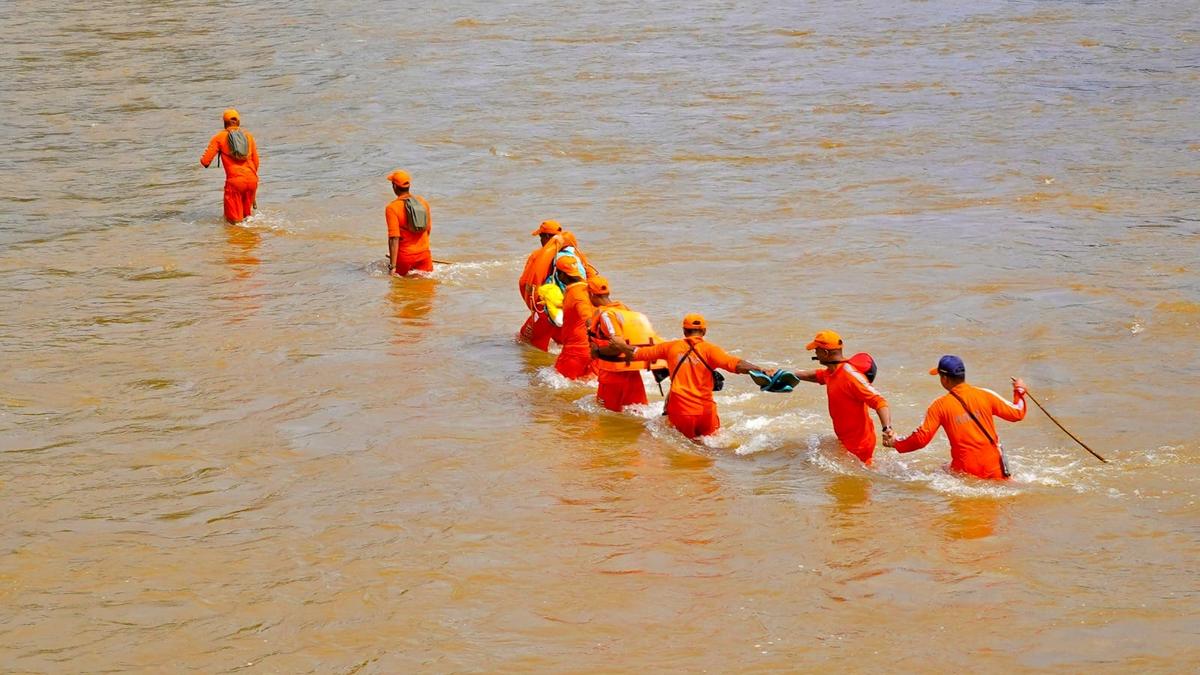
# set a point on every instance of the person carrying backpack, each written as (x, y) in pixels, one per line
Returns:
(848, 386)
(239, 154)
(409, 221)
(692, 362)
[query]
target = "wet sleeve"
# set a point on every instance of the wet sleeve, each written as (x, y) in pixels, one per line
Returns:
(719, 358)
(393, 221)
(865, 392)
(921, 436)
(1013, 412)
(253, 153)
(652, 353)
(822, 376)
(210, 152)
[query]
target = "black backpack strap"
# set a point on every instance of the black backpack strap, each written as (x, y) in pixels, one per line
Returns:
(667, 398)
(691, 350)
(701, 357)
(1003, 463)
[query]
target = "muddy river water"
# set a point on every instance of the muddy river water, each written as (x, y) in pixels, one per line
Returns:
(246, 449)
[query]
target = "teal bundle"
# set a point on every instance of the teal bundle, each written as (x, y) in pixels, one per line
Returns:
(781, 382)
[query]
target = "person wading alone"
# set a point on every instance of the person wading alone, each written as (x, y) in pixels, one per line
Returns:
(239, 154)
(409, 222)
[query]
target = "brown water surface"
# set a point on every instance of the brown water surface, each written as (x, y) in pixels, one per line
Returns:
(244, 448)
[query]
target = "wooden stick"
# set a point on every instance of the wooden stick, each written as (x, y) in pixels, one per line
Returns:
(442, 262)
(1060, 426)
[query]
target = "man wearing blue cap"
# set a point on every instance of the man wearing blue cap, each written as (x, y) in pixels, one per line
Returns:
(965, 412)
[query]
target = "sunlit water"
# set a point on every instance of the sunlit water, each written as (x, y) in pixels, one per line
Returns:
(245, 448)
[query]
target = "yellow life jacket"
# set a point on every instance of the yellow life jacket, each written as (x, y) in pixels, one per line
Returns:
(633, 327)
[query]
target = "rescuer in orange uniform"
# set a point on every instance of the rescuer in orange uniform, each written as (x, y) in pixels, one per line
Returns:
(408, 239)
(690, 406)
(965, 412)
(617, 387)
(539, 269)
(241, 170)
(575, 359)
(850, 394)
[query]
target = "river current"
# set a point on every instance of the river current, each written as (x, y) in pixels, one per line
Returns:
(247, 449)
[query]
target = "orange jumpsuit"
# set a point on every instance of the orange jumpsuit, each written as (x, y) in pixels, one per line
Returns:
(413, 252)
(616, 388)
(970, 450)
(690, 405)
(850, 394)
(538, 330)
(575, 360)
(241, 175)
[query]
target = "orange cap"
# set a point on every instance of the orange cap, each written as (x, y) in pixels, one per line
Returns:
(694, 320)
(598, 285)
(548, 227)
(826, 339)
(568, 265)
(400, 177)
(230, 115)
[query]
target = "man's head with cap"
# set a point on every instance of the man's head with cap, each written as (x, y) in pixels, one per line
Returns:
(231, 118)
(569, 266)
(952, 369)
(598, 289)
(547, 229)
(400, 180)
(828, 346)
(694, 324)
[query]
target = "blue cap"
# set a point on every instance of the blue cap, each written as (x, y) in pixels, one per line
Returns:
(951, 366)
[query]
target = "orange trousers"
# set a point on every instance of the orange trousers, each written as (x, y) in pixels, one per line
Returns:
(618, 389)
(694, 426)
(421, 262)
(864, 455)
(539, 331)
(239, 199)
(575, 364)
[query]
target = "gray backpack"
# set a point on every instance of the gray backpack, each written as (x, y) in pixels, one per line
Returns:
(239, 144)
(416, 213)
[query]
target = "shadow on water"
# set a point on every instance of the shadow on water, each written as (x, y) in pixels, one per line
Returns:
(972, 518)
(243, 247)
(412, 297)
(851, 496)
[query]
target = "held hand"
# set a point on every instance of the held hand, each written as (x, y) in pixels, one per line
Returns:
(620, 343)
(1018, 386)
(889, 438)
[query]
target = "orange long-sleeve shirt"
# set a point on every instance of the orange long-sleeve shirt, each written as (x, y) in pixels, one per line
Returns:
(692, 385)
(850, 394)
(236, 170)
(970, 451)
(412, 243)
(577, 308)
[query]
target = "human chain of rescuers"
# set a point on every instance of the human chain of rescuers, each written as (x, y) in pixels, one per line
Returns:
(570, 303)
